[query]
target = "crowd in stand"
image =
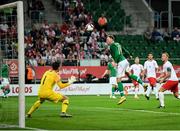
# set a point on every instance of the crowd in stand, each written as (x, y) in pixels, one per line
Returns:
(158, 36)
(69, 42)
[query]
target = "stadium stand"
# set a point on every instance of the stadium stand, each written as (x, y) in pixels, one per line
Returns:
(71, 42)
(112, 10)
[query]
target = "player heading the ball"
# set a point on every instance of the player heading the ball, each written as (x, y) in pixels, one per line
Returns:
(49, 79)
(118, 54)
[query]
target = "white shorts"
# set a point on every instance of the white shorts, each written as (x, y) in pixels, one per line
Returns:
(5, 81)
(122, 67)
(113, 80)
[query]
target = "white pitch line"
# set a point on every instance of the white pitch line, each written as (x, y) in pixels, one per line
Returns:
(16, 126)
(135, 110)
(125, 109)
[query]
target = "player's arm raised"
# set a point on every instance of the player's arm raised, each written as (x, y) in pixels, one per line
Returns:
(64, 85)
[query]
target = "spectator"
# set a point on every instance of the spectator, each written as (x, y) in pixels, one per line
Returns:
(33, 61)
(177, 38)
(102, 22)
(95, 33)
(29, 74)
(66, 4)
(166, 35)
(45, 25)
(156, 35)
(104, 59)
(69, 39)
(148, 34)
(102, 35)
(4, 27)
(64, 28)
(92, 40)
(39, 5)
(175, 32)
(50, 33)
(82, 29)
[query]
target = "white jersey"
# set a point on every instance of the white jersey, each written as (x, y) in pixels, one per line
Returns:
(168, 66)
(137, 69)
(151, 67)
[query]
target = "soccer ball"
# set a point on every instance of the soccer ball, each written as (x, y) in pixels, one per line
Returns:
(89, 27)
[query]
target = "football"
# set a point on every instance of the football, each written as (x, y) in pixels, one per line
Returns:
(89, 27)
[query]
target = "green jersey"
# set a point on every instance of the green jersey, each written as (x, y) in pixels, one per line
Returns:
(117, 52)
(4, 72)
(112, 70)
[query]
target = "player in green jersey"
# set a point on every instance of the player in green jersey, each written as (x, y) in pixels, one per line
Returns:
(4, 75)
(111, 70)
(118, 54)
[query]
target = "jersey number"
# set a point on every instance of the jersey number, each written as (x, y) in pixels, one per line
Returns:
(44, 80)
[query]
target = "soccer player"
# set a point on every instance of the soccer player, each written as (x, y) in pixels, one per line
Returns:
(168, 75)
(136, 69)
(118, 54)
(150, 69)
(49, 79)
(4, 75)
(111, 69)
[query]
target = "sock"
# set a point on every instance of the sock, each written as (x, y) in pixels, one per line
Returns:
(161, 98)
(134, 77)
(121, 89)
(148, 92)
(6, 92)
(156, 92)
(113, 90)
(178, 97)
(34, 107)
(136, 91)
(65, 104)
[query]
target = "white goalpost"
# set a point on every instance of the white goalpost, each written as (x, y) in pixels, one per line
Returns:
(21, 59)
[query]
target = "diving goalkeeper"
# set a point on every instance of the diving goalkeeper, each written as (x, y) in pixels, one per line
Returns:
(49, 79)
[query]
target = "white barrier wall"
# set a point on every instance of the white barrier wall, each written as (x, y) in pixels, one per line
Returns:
(76, 89)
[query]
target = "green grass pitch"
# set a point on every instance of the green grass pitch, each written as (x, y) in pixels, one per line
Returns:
(101, 112)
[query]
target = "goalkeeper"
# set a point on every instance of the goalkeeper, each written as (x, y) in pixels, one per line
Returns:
(49, 79)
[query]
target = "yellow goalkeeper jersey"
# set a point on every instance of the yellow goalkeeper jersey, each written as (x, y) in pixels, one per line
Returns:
(49, 79)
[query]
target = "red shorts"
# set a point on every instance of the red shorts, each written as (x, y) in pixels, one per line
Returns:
(152, 81)
(135, 83)
(171, 85)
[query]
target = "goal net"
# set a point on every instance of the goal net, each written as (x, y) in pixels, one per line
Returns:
(12, 70)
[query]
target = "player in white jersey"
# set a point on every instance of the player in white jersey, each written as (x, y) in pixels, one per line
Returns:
(168, 75)
(150, 69)
(136, 69)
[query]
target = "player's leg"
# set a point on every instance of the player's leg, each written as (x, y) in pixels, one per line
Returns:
(136, 90)
(161, 97)
(136, 78)
(113, 91)
(121, 73)
(65, 104)
(57, 97)
(149, 88)
(5, 87)
(113, 82)
(169, 85)
(6, 91)
(175, 90)
(35, 106)
(156, 91)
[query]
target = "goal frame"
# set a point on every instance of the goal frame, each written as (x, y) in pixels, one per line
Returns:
(21, 58)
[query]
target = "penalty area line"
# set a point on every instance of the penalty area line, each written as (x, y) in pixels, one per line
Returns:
(135, 110)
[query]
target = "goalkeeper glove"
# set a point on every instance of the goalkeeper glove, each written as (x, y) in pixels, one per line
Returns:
(72, 80)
